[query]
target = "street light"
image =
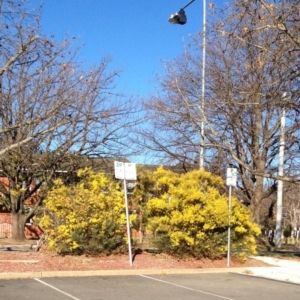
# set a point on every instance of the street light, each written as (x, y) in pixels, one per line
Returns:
(180, 18)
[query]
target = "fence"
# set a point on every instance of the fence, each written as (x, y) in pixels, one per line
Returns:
(5, 230)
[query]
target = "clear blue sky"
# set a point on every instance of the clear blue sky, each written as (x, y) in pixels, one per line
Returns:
(135, 33)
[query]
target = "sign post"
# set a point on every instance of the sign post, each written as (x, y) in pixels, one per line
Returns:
(230, 181)
(126, 171)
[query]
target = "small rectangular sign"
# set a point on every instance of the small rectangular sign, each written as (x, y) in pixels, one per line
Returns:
(130, 171)
(119, 170)
(231, 177)
(125, 170)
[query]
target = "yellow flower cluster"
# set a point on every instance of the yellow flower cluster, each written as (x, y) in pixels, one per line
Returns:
(188, 214)
(96, 202)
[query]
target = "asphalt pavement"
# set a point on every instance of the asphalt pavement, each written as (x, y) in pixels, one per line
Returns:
(213, 286)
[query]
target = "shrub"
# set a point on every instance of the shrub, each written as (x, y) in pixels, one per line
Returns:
(188, 215)
(87, 217)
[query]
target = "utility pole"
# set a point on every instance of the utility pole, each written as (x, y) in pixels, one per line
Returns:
(278, 230)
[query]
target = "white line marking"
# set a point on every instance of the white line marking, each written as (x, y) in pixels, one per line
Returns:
(187, 288)
(56, 289)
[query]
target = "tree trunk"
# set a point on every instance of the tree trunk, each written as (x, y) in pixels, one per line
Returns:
(257, 201)
(18, 226)
(256, 208)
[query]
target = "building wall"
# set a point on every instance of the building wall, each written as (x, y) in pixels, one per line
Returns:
(31, 231)
(5, 225)
(5, 216)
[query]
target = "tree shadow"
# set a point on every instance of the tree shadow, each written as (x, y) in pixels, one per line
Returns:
(136, 252)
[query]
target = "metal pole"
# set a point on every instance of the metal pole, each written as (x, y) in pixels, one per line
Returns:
(278, 231)
(201, 158)
(229, 210)
(188, 4)
(127, 221)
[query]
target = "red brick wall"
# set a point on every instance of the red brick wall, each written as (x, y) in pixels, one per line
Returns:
(5, 218)
(33, 232)
(5, 225)
(5, 182)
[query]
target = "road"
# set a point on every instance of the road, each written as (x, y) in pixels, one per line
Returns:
(148, 287)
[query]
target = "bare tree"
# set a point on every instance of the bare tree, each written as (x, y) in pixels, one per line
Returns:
(52, 112)
(283, 18)
(292, 205)
(249, 67)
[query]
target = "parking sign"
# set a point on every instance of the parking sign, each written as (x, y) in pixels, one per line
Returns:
(231, 177)
(125, 170)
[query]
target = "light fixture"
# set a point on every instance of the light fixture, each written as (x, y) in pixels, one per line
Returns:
(179, 17)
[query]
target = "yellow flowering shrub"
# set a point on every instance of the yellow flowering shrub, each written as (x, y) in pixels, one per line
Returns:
(187, 214)
(87, 217)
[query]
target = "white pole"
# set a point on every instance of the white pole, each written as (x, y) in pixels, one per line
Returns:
(278, 232)
(201, 159)
(127, 221)
(229, 210)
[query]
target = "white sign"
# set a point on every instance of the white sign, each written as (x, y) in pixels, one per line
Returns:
(231, 177)
(125, 170)
(119, 170)
(130, 171)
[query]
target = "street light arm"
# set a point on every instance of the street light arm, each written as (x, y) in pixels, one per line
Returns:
(188, 4)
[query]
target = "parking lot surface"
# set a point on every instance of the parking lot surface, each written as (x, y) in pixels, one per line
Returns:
(148, 287)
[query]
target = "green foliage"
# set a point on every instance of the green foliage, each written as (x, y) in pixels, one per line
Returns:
(187, 215)
(287, 232)
(101, 238)
(87, 217)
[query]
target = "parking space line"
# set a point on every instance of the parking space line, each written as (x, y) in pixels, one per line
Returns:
(187, 288)
(56, 289)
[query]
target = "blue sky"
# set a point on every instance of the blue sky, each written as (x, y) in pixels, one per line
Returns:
(135, 33)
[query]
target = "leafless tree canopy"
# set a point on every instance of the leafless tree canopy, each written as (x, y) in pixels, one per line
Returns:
(52, 109)
(251, 62)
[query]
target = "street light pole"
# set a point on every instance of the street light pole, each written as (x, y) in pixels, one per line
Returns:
(180, 18)
(201, 162)
(278, 231)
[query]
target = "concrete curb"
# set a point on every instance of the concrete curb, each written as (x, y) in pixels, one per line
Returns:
(23, 248)
(44, 274)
